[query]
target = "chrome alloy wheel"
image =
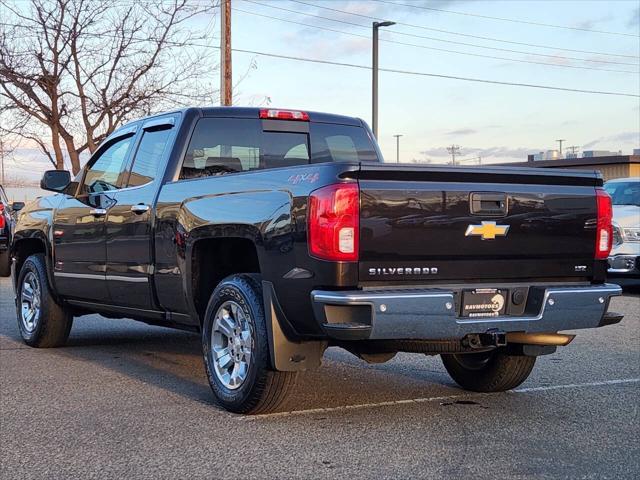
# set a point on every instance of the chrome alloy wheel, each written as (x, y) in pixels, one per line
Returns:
(231, 345)
(30, 302)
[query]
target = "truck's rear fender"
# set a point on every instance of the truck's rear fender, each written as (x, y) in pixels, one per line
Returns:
(217, 235)
(264, 207)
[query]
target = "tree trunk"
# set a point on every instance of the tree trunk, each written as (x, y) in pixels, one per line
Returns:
(91, 144)
(75, 161)
(55, 142)
(74, 156)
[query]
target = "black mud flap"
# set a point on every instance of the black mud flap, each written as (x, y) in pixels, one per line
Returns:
(287, 355)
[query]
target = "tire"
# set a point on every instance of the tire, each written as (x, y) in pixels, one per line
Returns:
(42, 322)
(492, 371)
(5, 264)
(236, 307)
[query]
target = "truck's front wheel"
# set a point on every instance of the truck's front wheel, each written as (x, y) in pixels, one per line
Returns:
(492, 371)
(236, 349)
(42, 321)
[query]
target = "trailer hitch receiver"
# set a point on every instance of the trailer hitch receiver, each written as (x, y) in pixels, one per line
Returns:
(491, 338)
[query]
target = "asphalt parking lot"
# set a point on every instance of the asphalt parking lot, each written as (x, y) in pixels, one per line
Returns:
(126, 400)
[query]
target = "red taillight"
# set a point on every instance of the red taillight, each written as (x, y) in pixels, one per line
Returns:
(604, 232)
(334, 214)
(2, 222)
(284, 114)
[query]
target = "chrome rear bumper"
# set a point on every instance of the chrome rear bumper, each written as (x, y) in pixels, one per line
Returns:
(432, 313)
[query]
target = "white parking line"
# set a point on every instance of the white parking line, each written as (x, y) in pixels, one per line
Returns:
(410, 401)
(576, 385)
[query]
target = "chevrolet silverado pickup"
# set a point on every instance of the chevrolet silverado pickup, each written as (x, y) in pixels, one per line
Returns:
(275, 234)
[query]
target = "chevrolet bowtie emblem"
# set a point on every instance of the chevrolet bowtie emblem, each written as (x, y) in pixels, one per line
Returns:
(488, 230)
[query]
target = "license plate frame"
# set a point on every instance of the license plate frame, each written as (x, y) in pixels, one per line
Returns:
(484, 302)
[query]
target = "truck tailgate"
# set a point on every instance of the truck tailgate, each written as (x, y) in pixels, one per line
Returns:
(430, 224)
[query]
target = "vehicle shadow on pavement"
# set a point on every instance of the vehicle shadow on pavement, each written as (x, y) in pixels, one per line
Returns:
(161, 357)
(171, 360)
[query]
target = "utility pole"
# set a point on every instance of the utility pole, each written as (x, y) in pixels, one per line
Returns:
(453, 150)
(398, 147)
(573, 148)
(226, 78)
(560, 140)
(374, 79)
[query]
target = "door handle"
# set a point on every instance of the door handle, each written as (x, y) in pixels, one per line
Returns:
(139, 208)
(98, 212)
(489, 203)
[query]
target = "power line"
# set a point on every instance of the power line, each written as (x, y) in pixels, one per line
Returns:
(503, 19)
(432, 38)
(492, 39)
(429, 38)
(405, 72)
(392, 41)
(435, 75)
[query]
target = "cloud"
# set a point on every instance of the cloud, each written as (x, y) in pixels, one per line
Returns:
(615, 140)
(634, 21)
(501, 153)
(353, 13)
(331, 48)
(463, 131)
(380, 9)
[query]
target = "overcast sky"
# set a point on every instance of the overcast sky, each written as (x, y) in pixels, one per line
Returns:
(498, 122)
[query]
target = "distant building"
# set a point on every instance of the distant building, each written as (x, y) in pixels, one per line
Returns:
(599, 153)
(611, 166)
(636, 151)
(548, 155)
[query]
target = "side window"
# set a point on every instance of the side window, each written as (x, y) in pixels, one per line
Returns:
(341, 143)
(103, 174)
(221, 146)
(148, 157)
(342, 147)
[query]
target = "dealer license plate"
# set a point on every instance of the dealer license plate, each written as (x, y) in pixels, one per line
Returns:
(484, 302)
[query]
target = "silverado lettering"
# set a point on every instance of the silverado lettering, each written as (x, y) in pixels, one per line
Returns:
(404, 271)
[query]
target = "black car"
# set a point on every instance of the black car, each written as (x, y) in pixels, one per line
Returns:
(277, 233)
(7, 219)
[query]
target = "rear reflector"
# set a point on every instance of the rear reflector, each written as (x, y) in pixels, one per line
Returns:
(284, 114)
(604, 232)
(2, 221)
(334, 213)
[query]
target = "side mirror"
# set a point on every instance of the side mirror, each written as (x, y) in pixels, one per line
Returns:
(17, 206)
(55, 180)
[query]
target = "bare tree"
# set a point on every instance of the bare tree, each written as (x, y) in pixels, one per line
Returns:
(71, 71)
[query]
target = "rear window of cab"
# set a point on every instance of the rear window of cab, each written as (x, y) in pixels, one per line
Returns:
(221, 146)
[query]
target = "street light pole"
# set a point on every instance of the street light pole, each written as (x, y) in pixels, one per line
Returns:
(398, 147)
(374, 90)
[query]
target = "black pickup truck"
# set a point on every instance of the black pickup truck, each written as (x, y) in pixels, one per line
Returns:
(278, 233)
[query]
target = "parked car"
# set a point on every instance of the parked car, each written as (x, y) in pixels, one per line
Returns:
(277, 233)
(7, 220)
(624, 259)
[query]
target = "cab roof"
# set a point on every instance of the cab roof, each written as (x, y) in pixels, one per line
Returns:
(254, 112)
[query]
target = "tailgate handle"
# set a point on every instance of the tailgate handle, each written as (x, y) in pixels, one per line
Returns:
(489, 203)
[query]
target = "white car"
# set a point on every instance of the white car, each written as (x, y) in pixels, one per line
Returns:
(625, 254)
